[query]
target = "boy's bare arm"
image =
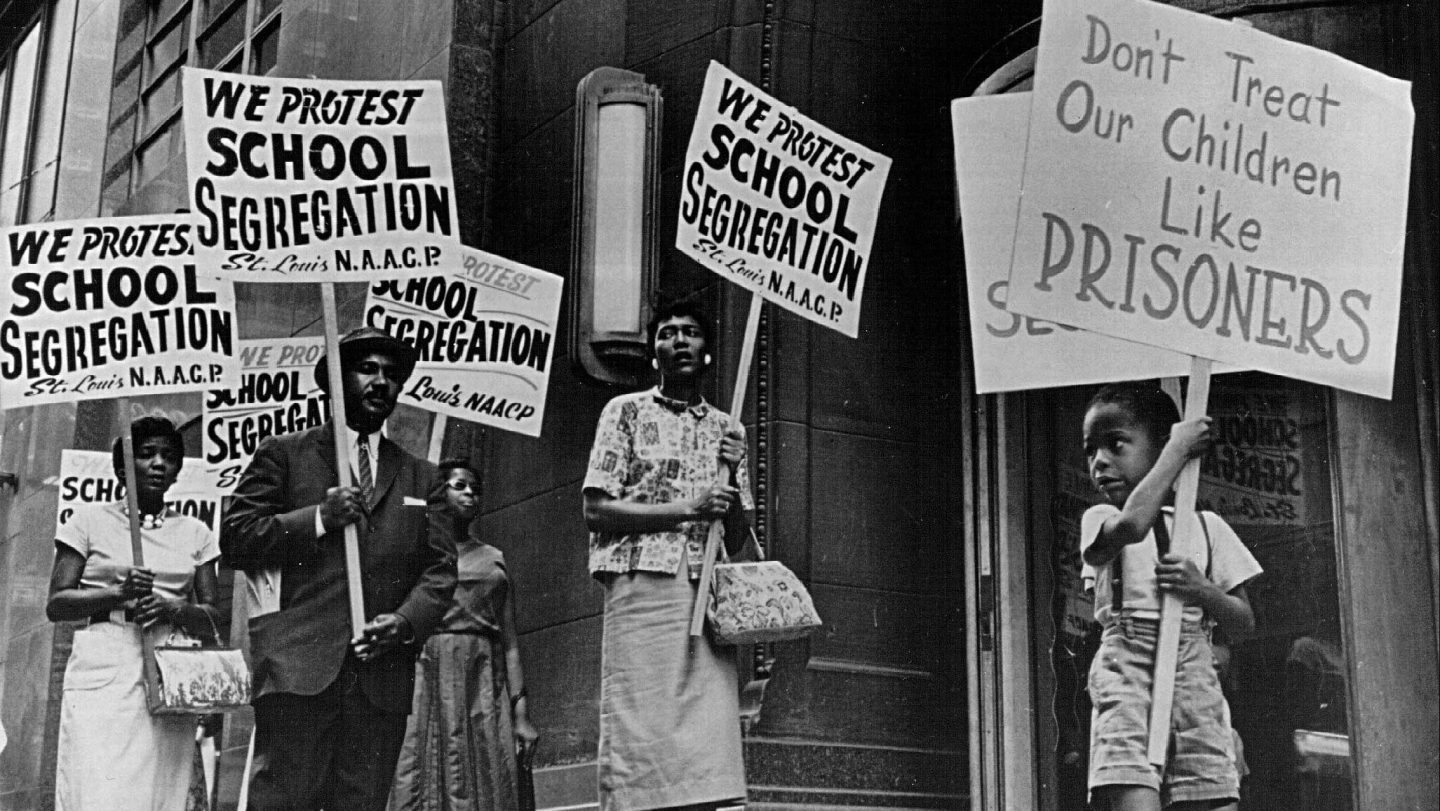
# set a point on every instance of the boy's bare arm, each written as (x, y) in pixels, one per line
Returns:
(1187, 440)
(1180, 576)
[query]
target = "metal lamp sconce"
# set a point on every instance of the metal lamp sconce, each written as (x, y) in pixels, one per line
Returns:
(613, 254)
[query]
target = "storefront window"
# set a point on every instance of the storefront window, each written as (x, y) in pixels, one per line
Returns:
(1269, 478)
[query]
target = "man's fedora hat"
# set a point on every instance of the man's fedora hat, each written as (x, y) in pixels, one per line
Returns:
(363, 341)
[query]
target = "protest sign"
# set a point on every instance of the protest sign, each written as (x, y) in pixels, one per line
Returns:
(88, 477)
(110, 308)
(1205, 187)
(296, 180)
(1013, 352)
(276, 395)
(778, 203)
(486, 336)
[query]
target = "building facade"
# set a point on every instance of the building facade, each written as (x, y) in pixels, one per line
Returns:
(935, 527)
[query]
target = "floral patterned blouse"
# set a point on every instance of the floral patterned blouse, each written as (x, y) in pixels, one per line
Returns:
(651, 449)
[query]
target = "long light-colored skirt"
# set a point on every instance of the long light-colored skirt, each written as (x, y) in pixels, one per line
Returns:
(669, 709)
(459, 751)
(113, 753)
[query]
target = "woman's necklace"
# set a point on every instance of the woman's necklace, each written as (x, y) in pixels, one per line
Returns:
(148, 521)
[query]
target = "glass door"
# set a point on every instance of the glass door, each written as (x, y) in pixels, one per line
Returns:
(1269, 478)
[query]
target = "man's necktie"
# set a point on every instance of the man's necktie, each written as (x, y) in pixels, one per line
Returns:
(367, 481)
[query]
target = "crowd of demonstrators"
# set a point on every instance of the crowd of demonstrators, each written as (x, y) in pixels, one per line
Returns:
(112, 752)
(470, 729)
(669, 730)
(331, 708)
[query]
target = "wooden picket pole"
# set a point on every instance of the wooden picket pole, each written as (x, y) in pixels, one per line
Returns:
(717, 527)
(1167, 646)
(342, 453)
(137, 547)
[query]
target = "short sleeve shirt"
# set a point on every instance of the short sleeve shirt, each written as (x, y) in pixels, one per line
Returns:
(651, 449)
(101, 533)
(1225, 561)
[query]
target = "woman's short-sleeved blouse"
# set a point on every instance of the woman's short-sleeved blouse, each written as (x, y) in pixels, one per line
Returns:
(101, 533)
(651, 449)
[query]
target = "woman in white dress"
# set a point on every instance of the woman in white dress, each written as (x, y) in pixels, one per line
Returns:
(113, 753)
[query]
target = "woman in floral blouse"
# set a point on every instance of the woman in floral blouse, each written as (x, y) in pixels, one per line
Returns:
(669, 709)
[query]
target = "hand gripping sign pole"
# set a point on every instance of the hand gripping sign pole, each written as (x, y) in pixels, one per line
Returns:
(1167, 646)
(717, 527)
(342, 454)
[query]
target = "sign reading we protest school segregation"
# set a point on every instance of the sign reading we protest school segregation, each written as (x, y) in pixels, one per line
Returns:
(486, 337)
(296, 180)
(110, 308)
(88, 477)
(1205, 187)
(779, 204)
(276, 395)
(1014, 352)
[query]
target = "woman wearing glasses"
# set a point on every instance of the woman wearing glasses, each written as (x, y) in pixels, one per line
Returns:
(470, 723)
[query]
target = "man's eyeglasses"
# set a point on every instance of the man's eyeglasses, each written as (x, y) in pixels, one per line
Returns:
(461, 487)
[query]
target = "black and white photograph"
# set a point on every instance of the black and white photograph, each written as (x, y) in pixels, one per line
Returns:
(627, 405)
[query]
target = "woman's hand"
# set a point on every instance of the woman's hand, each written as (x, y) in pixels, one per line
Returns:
(152, 610)
(714, 502)
(526, 735)
(138, 583)
(732, 447)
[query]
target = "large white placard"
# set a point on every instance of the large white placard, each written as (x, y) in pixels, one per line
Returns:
(88, 477)
(1205, 187)
(486, 337)
(305, 180)
(779, 203)
(110, 308)
(1013, 352)
(276, 395)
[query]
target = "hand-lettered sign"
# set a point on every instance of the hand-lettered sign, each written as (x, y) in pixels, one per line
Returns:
(304, 180)
(1014, 352)
(778, 203)
(276, 395)
(88, 477)
(1209, 188)
(486, 337)
(110, 308)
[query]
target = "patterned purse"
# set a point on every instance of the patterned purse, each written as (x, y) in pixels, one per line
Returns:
(762, 601)
(196, 680)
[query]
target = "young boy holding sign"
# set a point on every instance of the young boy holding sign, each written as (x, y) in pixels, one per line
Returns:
(1135, 447)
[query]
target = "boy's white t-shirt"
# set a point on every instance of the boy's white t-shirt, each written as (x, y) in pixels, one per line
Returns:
(1229, 564)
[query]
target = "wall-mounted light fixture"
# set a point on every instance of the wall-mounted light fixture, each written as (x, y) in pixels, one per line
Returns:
(613, 253)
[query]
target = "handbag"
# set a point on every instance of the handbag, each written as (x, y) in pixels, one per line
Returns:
(192, 679)
(760, 601)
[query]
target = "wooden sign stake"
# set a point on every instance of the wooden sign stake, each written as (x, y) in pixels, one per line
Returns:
(1162, 695)
(137, 547)
(342, 454)
(717, 527)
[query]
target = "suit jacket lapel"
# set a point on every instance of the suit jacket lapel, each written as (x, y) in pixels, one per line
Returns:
(386, 470)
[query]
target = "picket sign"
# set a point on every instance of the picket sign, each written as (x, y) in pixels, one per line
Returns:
(137, 550)
(342, 454)
(717, 527)
(1167, 646)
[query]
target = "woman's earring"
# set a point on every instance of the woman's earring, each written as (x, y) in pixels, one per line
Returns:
(655, 364)
(708, 360)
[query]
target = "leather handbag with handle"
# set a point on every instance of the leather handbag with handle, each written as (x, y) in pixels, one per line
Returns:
(193, 679)
(759, 601)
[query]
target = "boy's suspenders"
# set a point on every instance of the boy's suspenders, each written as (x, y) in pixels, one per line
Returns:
(1162, 547)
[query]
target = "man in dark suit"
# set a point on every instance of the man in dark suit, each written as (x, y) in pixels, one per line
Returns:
(330, 710)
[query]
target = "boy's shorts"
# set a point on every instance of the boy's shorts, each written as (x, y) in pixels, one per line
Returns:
(1201, 756)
